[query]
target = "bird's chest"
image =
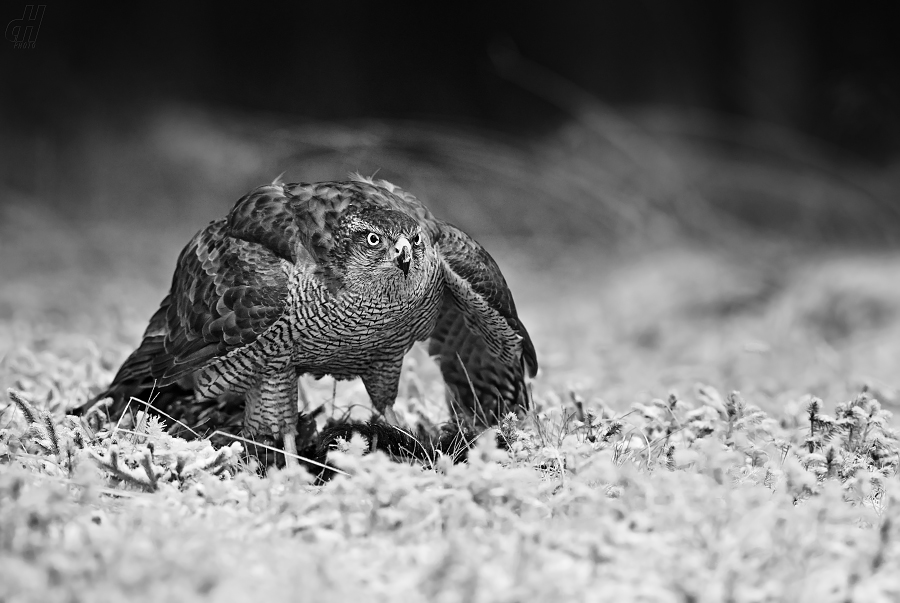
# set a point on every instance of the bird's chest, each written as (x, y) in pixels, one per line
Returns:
(355, 330)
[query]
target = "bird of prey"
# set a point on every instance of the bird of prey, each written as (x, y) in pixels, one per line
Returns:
(333, 278)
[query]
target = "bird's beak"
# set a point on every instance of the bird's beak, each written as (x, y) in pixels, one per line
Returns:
(402, 254)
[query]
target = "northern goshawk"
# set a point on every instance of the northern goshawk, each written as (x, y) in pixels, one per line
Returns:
(334, 278)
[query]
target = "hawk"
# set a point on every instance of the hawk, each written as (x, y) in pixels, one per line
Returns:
(333, 278)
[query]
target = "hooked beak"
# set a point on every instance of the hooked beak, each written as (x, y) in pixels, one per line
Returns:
(402, 254)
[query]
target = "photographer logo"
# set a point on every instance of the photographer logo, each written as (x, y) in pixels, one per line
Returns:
(23, 32)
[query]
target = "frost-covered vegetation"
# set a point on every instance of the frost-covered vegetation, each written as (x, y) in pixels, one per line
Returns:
(706, 498)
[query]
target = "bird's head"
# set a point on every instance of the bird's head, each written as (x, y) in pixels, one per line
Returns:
(384, 249)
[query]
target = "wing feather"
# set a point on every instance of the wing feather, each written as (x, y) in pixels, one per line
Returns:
(230, 285)
(227, 292)
(483, 349)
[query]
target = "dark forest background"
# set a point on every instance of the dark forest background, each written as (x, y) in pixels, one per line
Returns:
(807, 87)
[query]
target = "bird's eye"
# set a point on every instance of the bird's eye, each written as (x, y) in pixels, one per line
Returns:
(373, 239)
(417, 240)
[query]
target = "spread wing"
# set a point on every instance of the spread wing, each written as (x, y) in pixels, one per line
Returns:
(483, 349)
(230, 285)
(225, 293)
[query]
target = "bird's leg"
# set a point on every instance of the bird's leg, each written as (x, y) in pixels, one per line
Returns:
(381, 381)
(289, 436)
(272, 408)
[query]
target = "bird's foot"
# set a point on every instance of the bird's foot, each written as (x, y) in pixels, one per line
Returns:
(390, 416)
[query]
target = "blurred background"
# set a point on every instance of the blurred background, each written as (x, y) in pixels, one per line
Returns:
(677, 191)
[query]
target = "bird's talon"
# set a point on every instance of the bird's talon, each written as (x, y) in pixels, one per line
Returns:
(390, 416)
